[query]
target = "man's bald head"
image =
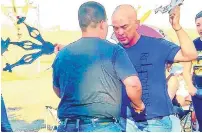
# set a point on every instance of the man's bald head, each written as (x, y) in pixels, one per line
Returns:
(125, 11)
(125, 24)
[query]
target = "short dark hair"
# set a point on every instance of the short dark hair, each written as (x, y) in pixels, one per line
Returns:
(198, 15)
(91, 12)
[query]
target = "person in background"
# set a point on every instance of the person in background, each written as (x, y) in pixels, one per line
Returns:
(194, 80)
(173, 85)
(5, 124)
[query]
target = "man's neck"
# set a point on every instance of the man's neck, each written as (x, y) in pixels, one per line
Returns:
(133, 41)
(91, 34)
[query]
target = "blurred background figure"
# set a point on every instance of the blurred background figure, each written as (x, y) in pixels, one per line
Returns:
(194, 80)
(5, 124)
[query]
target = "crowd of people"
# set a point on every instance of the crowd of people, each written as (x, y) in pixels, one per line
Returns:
(124, 87)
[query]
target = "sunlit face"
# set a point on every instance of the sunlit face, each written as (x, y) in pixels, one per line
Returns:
(199, 26)
(124, 29)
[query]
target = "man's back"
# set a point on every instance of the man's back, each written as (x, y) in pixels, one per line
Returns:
(89, 87)
(149, 56)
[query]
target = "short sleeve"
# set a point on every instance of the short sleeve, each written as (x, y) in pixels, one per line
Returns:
(122, 64)
(169, 49)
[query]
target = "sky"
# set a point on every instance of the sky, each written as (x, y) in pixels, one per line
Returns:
(63, 13)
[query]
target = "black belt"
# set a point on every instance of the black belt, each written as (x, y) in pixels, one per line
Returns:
(87, 121)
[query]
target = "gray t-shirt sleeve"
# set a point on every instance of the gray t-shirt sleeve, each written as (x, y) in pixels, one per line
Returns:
(122, 64)
(170, 50)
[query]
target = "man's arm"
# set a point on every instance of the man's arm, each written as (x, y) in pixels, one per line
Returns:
(173, 86)
(134, 92)
(188, 51)
(188, 77)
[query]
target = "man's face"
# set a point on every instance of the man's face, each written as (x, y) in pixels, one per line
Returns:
(199, 26)
(124, 29)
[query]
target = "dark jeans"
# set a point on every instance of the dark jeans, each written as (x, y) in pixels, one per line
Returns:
(93, 127)
(5, 125)
(197, 102)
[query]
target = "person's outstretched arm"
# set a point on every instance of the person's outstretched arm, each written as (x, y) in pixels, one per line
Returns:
(188, 51)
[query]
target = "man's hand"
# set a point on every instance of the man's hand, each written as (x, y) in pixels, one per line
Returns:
(58, 47)
(174, 18)
(138, 109)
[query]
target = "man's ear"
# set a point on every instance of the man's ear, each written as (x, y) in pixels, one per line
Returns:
(102, 24)
(137, 23)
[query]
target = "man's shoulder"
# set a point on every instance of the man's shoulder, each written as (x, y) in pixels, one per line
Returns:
(97, 41)
(153, 39)
(64, 51)
(109, 44)
(153, 42)
(70, 46)
(197, 41)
